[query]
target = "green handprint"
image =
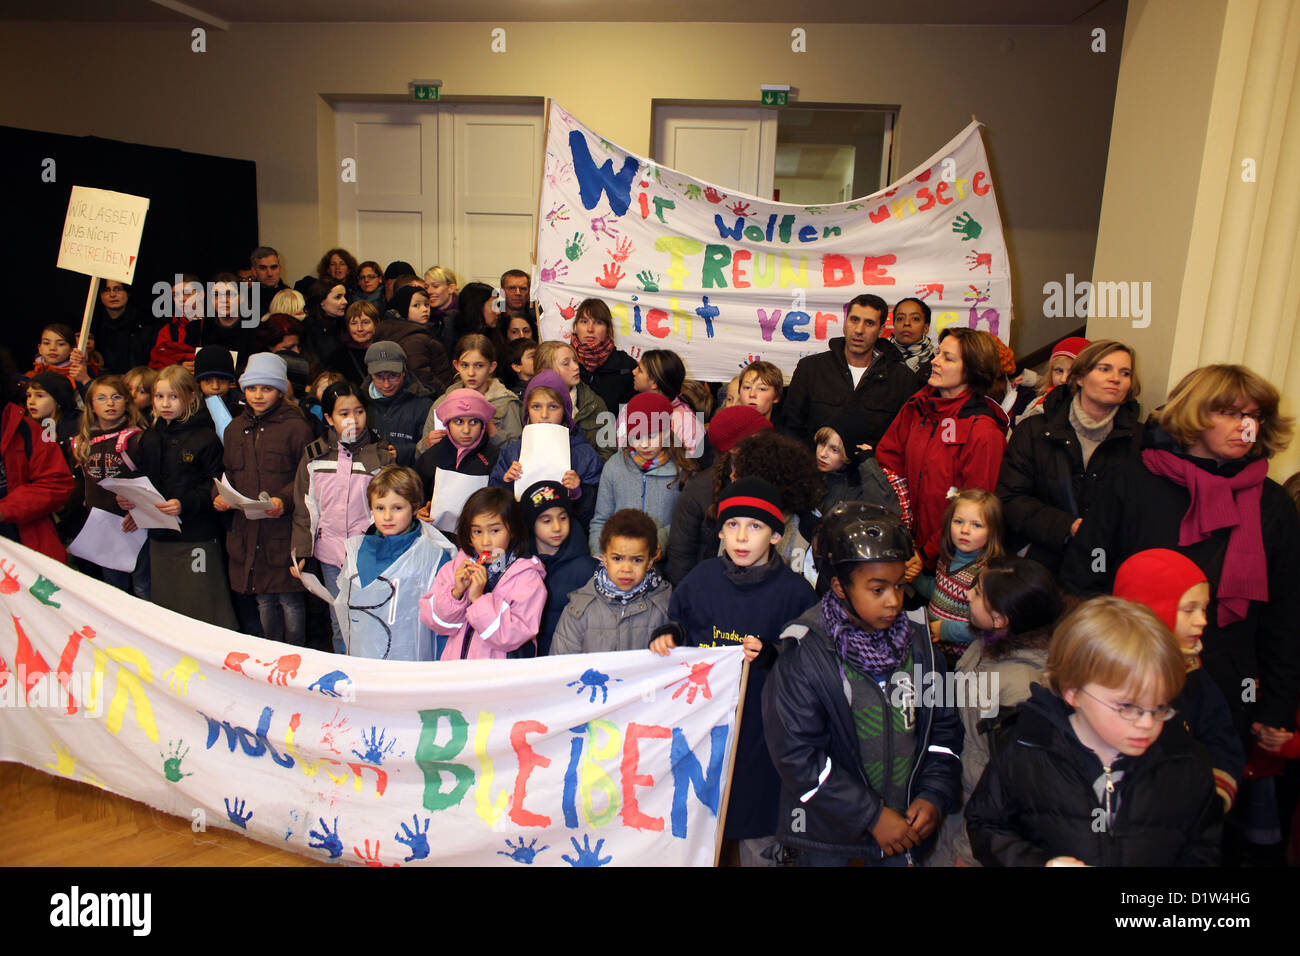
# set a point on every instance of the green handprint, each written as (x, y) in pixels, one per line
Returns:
(649, 280)
(968, 227)
(576, 247)
(693, 191)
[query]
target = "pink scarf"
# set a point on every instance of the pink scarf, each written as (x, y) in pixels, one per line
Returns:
(1219, 502)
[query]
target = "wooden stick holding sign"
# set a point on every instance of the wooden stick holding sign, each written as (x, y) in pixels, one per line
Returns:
(101, 239)
(731, 763)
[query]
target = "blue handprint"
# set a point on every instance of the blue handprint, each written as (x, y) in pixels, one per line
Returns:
(376, 751)
(586, 856)
(328, 840)
(236, 814)
(594, 681)
(523, 853)
(417, 839)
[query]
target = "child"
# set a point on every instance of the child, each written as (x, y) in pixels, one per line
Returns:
(37, 483)
(140, 380)
(871, 761)
(850, 473)
(1058, 373)
(464, 446)
(378, 607)
(972, 537)
(662, 371)
(475, 362)
(54, 354)
(329, 491)
(310, 402)
(626, 601)
(651, 471)
(489, 598)
(761, 384)
(1014, 604)
(519, 355)
(181, 455)
(262, 449)
(588, 407)
(52, 402)
(179, 338)
(561, 544)
(108, 446)
(1090, 774)
(546, 401)
(732, 395)
(1172, 586)
(745, 597)
(215, 371)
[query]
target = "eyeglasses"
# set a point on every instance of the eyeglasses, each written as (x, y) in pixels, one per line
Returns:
(106, 399)
(1132, 712)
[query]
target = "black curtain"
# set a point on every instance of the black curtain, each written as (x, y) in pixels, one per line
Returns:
(202, 219)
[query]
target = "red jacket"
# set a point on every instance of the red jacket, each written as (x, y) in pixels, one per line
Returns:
(37, 480)
(941, 443)
(177, 342)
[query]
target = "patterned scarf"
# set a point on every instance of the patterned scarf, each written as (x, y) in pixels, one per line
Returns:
(498, 568)
(915, 355)
(868, 652)
(607, 589)
(593, 357)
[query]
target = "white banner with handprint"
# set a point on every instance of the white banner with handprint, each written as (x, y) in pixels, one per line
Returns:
(724, 279)
(564, 761)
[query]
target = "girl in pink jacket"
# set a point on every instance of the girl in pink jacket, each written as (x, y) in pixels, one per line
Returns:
(489, 599)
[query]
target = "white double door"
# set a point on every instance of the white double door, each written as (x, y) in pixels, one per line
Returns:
(441, 184)
(734, 148)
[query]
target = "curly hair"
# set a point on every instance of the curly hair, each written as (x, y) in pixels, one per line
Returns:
(323, 267)
(786, 462)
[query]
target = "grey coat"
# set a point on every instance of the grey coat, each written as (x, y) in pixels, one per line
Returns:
(591, 624)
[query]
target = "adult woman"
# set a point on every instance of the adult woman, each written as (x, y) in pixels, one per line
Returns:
(606, 370)
(1201, 488)
(407, 324)
(123, 334)
(370, 283)
(327, 300)
(1056, 459)
(948, 435)
(472, 312)
(338, 265)
(444, 306)
(362, 319)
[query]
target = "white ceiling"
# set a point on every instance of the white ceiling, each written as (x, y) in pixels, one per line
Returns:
(1010, 12)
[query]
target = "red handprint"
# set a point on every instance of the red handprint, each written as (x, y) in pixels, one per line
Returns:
(924, 290)
(696, 682)
(620, 252)
(336, 724)
(977, 259)
(234, 662)
(634, 351)
(713, 196)
(611, 276)
(282, 668)
(739, 208)
(570, 310)
(10, 583)
(370, 859)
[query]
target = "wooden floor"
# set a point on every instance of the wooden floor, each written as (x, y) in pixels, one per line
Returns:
(47, 820)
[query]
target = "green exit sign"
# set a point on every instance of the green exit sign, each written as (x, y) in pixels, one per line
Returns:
(775, 97)
(420, 92)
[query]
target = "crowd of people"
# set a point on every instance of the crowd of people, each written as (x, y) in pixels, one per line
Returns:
(909, 511)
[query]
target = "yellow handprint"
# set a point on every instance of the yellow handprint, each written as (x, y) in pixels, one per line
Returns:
(180, 675)
(66, 763)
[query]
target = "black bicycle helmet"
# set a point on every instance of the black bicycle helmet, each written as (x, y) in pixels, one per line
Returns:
(854, 531)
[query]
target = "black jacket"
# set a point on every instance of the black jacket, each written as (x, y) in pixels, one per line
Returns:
(124, 342)
(399, 420)
(426, 358)
(814, 747)
(1043, 485)
(613, 380)
(822, 385)
(692, 535)
(1257, 658)
(1036, 799)
(181, 458)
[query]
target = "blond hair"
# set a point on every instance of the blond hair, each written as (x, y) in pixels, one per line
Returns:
(544, 357)
(183, 384)
(287, 302)
(399, 479)
(1117, 644)
(1217, 388)
(88, 420)
(443, 275)
(990, 509)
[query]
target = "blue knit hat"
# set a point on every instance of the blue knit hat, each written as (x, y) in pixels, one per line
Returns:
(266, 368)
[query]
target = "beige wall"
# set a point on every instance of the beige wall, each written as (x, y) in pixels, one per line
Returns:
(256, 94)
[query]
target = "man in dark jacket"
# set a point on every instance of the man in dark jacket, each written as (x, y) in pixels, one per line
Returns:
(400, 404)
(853, 373)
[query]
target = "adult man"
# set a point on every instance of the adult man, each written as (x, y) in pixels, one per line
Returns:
(853, 373)
(514, 286)
(266, 269)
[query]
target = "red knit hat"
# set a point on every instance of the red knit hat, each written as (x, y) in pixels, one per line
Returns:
(649, 413)
(733, 424)
(1158, 578)
(1071, 346)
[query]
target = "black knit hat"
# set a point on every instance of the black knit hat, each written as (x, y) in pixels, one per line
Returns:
(399, 268)
(401, 300)
(851, 426)
(213, 361)
(542, 496)
(752, 497)
(58, 388)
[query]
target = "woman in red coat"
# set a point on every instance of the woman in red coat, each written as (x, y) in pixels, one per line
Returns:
(35, 484)
(948, 435)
